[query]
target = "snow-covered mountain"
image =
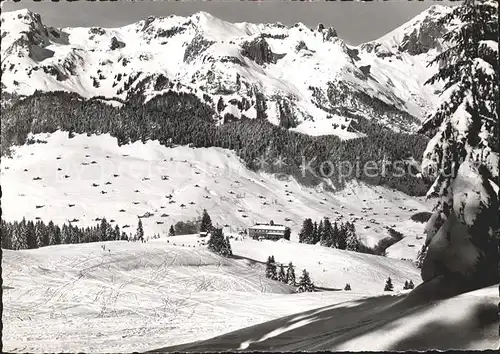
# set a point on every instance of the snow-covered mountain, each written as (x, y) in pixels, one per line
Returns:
(304, 79)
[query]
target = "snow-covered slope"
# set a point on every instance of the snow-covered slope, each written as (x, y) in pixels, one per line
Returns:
(465, 322)
(122, 183)
(333, 268)
(137, 296)
(300, 78)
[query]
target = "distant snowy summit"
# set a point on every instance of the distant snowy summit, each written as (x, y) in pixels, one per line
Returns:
(304, 79)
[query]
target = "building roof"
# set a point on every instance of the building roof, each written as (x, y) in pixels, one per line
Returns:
(268, 227)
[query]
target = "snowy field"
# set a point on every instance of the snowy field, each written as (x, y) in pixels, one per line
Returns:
(135, 296)
(169, 291)
(102, 179)
(333, 268)
(465, 322)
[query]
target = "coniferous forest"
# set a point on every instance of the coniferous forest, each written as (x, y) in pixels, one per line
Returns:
(343, 236)
(183, 119)
(29, 234)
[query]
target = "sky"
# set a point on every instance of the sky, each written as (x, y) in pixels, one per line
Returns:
(355, 22)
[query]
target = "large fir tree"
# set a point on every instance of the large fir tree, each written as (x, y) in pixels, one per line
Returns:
(31, 240)
(320, 232)
(290, 274)
(327, 236)
(140, 231)
(271, 271)
(388, 285)
(335, 235)
(342, 237)
(462, 156)
(219, 244)
(306, 231)
(6, 235)
(353, 243)
(281, 274)
(305, 283)
(314, 235)
(206, 222)
(226, 250)
(287, 233)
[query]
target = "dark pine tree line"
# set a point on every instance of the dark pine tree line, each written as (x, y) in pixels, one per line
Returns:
(29, 235)
(343, 236)
(179, 118)
(339, 235)
(278, 273)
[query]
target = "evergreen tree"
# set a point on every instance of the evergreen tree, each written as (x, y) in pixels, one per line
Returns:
(206, 222)
(335, 235)
(461, 155)
(106, 232)
(306, 231)
(342, 237)
(94, 234)
(268, 267)
(218, 244)
(327, 237)
(290, 274)
(388, 285)
(287, 233)
(421, 256)
(273, 269)
(320, 232)
(51, 231)
(411, 285)
(171, 232)
(23, 235)
(57, 234)
(406, 286)
(39, 234)
(31, 241)
(216, 241)
(226, 250)
(271, 272)
(65, 234)
(353, 242)
(18, 241)
(116, 233)
(314, 235)
(305, 284)
(281, 274)
(140, 231)
(6, 235)
(347, 286)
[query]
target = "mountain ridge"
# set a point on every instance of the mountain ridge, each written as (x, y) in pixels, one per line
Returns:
(303, 79)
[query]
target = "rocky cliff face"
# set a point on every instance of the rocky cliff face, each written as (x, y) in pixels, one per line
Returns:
(425, 37)
(260, 52)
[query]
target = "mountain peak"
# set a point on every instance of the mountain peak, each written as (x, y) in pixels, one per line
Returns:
(203, 15)
(25, 15)
(417, 36)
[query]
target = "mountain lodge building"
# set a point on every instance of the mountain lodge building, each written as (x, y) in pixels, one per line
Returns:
(263, 231)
